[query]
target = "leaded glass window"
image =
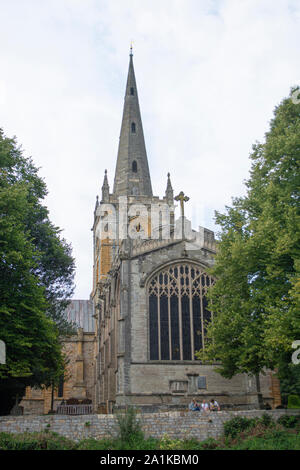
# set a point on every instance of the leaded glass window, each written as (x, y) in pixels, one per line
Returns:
(178, 311)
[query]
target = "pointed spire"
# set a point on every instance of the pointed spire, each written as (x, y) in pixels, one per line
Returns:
(105, 188)
(169, 192)
(97, 204)
(132, 176)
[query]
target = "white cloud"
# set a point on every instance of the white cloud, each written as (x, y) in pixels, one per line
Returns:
(209, 75)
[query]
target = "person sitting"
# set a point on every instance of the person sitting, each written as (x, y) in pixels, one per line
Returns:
(193, 406)
(205, 406)
(214, 405)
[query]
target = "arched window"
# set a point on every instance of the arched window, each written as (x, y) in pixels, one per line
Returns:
(178, 311)
(133, 127)
(134, 166)
(132, 91)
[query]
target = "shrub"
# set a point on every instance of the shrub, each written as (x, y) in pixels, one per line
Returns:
(129, 427)
(293, 402)
(235, 426)
(86, 401)
(72, 401)
(166, 443)
(267, 420)
(289, 422)
(35, 441)
(271, 440)
(209, 444)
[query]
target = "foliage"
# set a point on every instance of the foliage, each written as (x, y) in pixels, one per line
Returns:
(256, 296)
(294, 402)
(289, 376)
(86, 401)
(239, 433)
(253, 434)
(36, 277)
(54, 265)
(267, 420)
(167, 443)
(35, 441)
(289, 422)
(73, 401)
(270, 440)
(94, 444)
(236, 425)
(129, 426)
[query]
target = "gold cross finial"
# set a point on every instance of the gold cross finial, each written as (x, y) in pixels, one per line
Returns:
(182, 198)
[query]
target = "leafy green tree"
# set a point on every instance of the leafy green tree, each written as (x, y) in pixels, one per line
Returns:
(256, 300)
(36, 277)
(54, 265)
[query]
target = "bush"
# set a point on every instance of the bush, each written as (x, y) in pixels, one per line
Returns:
(73, 401)
(167, 443)
(94, 444)
(235, 426)
(267, 420)
(129, 427)
(293, 402)
(289, 422)
(209, 444)
(86, 401)
(35, 441)
(271, 440)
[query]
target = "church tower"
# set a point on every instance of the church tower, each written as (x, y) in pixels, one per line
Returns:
(132, 186)
(125, 216)
(151, 277)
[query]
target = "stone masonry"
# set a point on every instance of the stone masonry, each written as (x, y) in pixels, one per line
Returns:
(176, 425)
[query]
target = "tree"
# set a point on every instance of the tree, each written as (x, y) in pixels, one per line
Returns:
(255, 300)
(36, 277)
(54, 265)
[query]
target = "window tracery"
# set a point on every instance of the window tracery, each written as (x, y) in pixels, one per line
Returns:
(178, 311)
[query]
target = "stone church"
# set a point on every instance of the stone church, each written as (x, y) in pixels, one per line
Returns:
(148, 311)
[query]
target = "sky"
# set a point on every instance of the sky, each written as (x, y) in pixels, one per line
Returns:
(209, 75)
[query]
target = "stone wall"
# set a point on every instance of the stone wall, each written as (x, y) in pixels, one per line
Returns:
(37, 401)
(181, 425)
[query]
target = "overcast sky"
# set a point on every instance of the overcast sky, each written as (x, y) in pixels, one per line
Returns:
(209, 74)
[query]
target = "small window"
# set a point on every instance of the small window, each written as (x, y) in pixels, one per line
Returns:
(134, 166)
(202, 382)
(180, 386)
(132, 91)
(133, 127)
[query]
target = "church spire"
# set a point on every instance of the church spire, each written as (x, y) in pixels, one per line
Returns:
(132, 175)
(169, 192)
(105, 188)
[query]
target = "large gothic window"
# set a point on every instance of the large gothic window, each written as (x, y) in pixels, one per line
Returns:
(178, 311)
